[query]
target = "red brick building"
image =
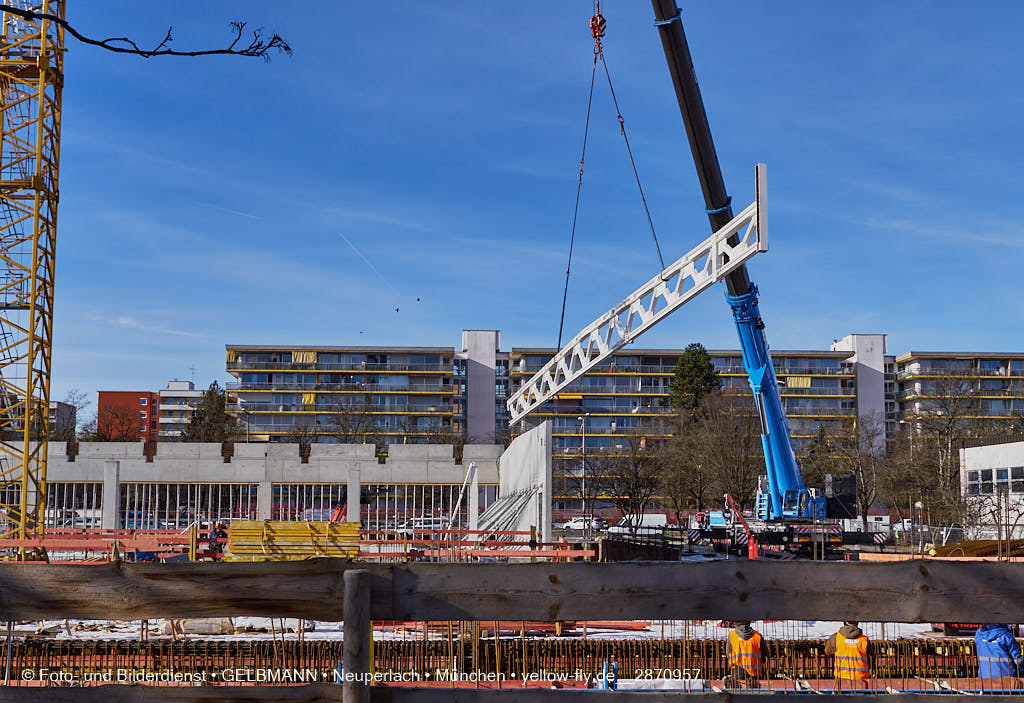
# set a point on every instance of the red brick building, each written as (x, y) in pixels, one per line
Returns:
(128, 416)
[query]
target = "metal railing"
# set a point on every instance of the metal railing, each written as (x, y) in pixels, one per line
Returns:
(352, 366)
(366, 387)
(969, 372)
(354, 409)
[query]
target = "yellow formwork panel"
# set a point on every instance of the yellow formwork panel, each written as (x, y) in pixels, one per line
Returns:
(278, 540)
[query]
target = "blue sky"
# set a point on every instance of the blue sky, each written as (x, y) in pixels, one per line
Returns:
(220, 200)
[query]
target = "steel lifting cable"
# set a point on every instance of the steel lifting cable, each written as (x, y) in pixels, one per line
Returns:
(597, 28)
(636, 175)
(579, 185)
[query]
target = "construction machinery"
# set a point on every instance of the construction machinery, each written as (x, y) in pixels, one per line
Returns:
(782, 495)
(31, 80)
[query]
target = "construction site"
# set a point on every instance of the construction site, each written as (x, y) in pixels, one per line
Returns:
(304, 563)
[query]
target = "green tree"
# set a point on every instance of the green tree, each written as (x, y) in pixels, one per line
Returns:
(210, 422)
(630, 477)
(820, 459)
(694, 378)
(687, 482)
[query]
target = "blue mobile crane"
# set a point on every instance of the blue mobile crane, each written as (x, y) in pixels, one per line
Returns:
(789, 511)
(783, 494)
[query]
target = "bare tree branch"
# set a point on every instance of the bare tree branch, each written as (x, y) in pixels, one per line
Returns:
(259, 45)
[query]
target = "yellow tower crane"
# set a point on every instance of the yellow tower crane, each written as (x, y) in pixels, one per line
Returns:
(31, 79)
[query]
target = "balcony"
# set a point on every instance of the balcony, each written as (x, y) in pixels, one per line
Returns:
(816, 371)
(359, 387)
(785, 391)
(255, 427)
(953, 373)
(984, 393)
(361, 366)
(820, 411)
(604, 410)
(646, 430)
(178, 406)
(410, 408)
(626, 370)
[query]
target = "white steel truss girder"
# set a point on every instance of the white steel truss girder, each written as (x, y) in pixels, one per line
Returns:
(680, 282)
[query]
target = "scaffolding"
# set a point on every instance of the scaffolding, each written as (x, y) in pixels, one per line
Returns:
(31, 79)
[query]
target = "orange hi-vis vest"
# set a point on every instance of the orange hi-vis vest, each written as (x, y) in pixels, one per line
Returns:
(851, 658)
(746, 653)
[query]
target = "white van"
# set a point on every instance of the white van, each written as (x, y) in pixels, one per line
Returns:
(646, 524)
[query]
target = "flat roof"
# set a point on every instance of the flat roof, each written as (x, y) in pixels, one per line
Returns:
(960, 355)
(299, 347)
(711, 352)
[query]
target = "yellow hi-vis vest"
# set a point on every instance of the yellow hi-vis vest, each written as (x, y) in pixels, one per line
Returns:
(746, 653)
(851, 658)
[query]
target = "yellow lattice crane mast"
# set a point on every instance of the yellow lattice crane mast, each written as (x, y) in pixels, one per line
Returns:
(31, 79)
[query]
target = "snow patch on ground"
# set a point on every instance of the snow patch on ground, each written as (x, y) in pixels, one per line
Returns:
(318, 630)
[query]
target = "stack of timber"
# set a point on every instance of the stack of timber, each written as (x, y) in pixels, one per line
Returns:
(982, 548)
(269, 540)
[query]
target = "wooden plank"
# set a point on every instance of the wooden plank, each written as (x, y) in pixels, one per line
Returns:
(925, 591)
(358, 636)
(296, 589)
(920, 591)
(540, 695)
(327, 693)
(110, 693)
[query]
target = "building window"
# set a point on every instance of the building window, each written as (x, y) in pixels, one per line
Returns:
(142, 414)
(1002, 480)
(143, 401)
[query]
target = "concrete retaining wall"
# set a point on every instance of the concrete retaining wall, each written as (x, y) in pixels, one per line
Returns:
(179, 462)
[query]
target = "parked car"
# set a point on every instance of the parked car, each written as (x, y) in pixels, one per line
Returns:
(420, 524)
(580, 523)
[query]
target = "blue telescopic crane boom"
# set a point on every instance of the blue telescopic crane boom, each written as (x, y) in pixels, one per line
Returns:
(786, 495)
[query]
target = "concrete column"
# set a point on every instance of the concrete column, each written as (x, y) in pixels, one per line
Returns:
(264, 500)
(111, 495)
(353, 511)
(474, 499)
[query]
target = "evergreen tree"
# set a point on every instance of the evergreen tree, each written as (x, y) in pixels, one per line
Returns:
(694, 377)
(210, 422)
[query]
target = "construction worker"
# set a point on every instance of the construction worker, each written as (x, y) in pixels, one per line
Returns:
(748, 654)
(851, 650)
(998, 652)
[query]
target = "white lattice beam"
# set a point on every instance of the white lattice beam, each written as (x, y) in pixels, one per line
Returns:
(680, 282)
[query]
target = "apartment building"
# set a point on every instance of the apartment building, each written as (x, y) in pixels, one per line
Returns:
(423, 394)
(63, 421)
(402, 394)
(128, 415)
(178, 402)
(630, 392)
(992, 384)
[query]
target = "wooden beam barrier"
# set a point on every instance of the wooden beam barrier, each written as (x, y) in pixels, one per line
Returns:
(358, 637)
(327, 693)
(310, 589)
(918, 591)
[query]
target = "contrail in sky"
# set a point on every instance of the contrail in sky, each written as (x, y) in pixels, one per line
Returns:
(369, 263)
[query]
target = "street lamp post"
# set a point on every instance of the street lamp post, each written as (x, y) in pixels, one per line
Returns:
(910, 437)
(583, 483)
(921, 526)
(246, 413)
